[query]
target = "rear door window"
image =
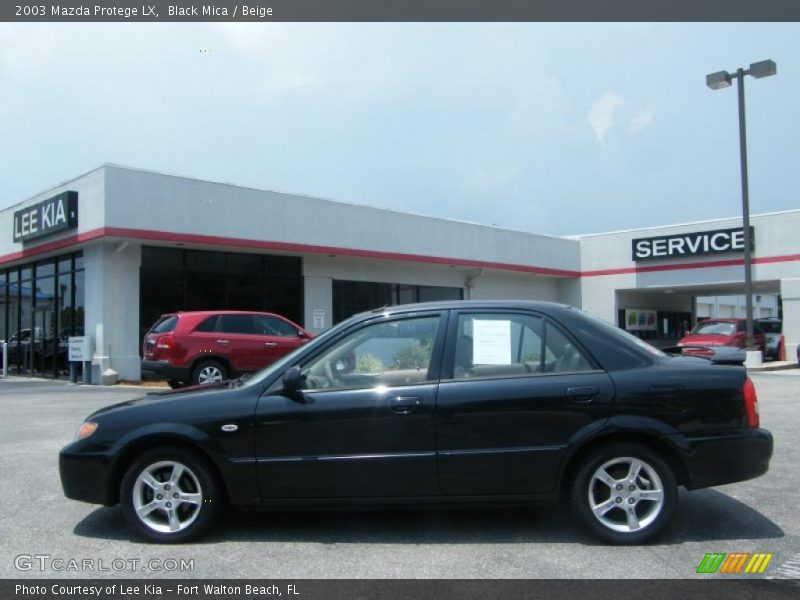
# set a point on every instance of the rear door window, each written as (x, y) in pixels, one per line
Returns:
(208, 325)
(237, 324)
(512, 345)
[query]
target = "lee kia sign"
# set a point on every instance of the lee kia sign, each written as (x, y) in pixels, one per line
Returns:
(697, 243)
(55, 214)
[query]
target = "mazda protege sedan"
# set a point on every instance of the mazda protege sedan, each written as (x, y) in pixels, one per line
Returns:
(447, 403)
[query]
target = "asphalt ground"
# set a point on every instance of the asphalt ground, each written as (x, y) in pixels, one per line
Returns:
(37, 418)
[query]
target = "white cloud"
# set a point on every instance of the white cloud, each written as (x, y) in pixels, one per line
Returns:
(601, 115)
(26, 47)
(642, 119)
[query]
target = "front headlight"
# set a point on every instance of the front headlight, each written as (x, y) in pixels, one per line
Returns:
(87, 429)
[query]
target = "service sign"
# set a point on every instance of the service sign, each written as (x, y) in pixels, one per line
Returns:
(55, 214)
(697, 243)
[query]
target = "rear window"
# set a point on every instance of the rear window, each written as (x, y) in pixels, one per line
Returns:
(715, 328)
(165, 325)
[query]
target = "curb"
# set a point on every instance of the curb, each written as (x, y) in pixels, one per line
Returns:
(773, 366)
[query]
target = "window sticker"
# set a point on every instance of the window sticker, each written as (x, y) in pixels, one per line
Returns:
(491, 342)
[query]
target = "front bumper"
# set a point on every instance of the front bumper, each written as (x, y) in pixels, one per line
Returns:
(86, 477)
(728, 457)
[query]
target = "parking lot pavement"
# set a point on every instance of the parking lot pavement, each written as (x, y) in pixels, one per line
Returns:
(39, 417)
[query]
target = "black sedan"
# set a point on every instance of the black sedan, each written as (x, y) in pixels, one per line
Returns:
(493, 403)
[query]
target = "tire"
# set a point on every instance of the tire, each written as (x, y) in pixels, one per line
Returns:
(592, 489)
(199, 495)
(209, 371)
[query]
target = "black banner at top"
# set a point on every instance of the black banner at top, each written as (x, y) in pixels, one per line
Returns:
(398, 10)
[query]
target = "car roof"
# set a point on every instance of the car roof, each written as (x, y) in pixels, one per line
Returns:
(204, 313)
(720, 320)
(468, 304)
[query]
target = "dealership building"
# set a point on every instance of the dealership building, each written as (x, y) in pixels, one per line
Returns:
(104, 254)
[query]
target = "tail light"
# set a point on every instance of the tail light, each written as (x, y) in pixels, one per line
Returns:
(164, 342)
(750, 403)
(162, 346)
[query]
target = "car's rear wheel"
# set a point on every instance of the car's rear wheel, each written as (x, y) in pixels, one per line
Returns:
(625, 493)
(209, 371)
(170, 495)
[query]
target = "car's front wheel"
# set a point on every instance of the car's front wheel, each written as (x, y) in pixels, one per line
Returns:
(625, 493)
(170, 495)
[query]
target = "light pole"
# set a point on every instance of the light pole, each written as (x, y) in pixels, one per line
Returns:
(716, 81)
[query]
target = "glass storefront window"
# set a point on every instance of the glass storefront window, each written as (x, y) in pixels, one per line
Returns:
(65, 264)
(351, 297)
(37, 311)
(45, 269)
(172, 279)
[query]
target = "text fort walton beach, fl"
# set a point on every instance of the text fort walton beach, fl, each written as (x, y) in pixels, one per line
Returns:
(150, 589)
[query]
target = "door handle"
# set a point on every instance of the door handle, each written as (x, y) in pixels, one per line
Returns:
(270, 344)
(222, 341)
(583, 393)
(405, 404)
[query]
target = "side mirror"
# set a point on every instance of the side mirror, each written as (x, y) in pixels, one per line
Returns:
(293, 381)
(302, 335)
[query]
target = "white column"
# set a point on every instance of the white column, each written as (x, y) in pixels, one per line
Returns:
(112, 307)
(790, 294)
(318, 293)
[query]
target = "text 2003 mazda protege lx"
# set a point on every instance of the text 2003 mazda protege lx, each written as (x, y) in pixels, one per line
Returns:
(437, 403)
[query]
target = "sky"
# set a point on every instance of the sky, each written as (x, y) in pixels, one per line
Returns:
(549, 128)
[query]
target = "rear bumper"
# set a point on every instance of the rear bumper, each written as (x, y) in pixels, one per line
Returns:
(157, 369)
(727, 458)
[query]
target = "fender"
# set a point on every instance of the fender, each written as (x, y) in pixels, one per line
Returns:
(239, 485)
(620, 425)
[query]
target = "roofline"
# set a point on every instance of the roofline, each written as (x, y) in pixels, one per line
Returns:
(54, 187)
(686, 224)
(573, 237)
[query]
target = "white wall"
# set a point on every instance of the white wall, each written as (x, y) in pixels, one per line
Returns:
(190, 206)
(790, 296)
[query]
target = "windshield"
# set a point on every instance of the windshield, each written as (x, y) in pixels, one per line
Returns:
(769, 326)
(283, 363)
(715, 328)
(621, 334)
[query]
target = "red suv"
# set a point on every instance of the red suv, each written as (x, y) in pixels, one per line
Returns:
(721, 332)
(210, 346)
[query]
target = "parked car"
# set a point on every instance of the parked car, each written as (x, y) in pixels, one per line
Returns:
(446, 403)
(204, 347)
(722, 332)
(773, 330)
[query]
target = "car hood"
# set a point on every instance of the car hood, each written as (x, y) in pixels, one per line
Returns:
(161, 396)
(713, 339)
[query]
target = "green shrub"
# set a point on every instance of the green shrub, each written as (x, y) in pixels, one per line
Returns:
(369, 363)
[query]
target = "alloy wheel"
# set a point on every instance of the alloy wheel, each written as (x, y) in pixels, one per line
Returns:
(167, 497)
(625, 494)
(209, 374)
